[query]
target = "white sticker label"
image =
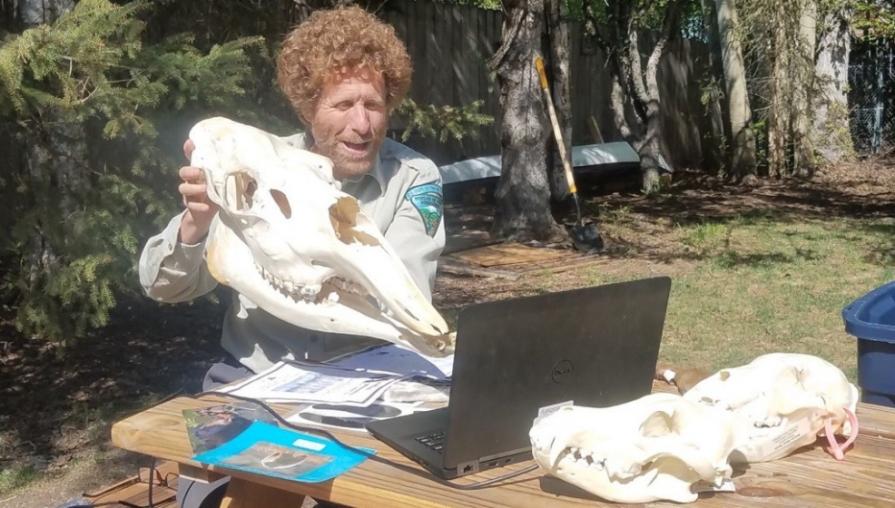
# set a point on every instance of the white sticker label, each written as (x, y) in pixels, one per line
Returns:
(308, 445)
(549, 410)
(775, 442)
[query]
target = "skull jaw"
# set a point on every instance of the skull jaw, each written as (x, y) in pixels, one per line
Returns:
(231, 263)
(667, 479)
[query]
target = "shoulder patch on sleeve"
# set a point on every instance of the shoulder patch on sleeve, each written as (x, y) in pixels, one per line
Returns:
(428, 200)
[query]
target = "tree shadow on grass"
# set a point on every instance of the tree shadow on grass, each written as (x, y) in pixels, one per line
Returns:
(863, 193)
(732, 259)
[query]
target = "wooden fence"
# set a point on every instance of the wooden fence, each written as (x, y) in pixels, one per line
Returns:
(450, 46)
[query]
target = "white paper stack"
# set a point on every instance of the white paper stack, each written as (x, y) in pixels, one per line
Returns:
(314, 383)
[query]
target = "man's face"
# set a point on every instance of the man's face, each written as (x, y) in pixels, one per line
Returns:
(349, 123)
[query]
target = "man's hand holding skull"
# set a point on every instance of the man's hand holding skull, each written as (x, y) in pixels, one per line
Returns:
(200, 211)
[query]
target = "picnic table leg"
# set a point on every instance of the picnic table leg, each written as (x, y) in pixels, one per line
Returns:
(245, 494)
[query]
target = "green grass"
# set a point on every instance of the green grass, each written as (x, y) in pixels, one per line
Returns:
(17, 476)
(754, 284)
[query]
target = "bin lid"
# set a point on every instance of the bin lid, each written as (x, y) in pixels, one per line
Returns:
(872, 316)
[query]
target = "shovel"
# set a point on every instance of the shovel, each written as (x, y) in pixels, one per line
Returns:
(585, 236)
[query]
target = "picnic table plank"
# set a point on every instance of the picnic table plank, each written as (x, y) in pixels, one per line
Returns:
(809, 477)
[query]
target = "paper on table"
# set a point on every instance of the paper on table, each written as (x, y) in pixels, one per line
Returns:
(395, 360)
(318, 383)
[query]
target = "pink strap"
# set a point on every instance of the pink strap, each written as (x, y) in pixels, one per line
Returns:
(837, 450)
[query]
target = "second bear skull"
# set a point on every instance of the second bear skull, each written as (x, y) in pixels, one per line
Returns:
(292, 242)
(781, 401)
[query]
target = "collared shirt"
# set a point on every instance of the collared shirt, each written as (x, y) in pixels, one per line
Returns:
(172, 272)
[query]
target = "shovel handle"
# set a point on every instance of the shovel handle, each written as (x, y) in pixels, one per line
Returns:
(557, 133)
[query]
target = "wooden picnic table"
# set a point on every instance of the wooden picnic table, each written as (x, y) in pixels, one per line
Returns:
(809, 477)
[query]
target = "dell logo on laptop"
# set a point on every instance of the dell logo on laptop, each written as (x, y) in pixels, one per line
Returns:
(561, 371)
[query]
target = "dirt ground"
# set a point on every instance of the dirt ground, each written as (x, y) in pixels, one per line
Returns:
(58, 402)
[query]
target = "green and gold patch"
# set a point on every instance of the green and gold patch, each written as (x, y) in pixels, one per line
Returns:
(429, 202)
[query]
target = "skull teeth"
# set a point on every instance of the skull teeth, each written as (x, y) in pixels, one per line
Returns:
(310, 292)
(347, 286)
(289, 289)
(585, 457)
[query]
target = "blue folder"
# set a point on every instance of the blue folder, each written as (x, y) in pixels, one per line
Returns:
(269, 450)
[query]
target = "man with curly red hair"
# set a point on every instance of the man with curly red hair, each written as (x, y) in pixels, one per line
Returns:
(343, 72)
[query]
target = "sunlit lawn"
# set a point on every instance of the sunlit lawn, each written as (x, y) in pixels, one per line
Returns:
(752, 285)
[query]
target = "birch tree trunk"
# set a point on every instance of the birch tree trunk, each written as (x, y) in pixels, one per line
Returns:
(742, 161)
(830, 133)
(523, 191)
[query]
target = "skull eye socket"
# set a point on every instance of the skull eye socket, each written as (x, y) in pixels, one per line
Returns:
(283, 202)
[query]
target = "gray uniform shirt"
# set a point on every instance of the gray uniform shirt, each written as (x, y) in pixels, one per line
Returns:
(393, 194)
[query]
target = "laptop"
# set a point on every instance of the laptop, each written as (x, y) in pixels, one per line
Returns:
(594, 346)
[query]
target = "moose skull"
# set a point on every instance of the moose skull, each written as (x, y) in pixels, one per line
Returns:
(658, 447)
(291, 241)
(780, 402)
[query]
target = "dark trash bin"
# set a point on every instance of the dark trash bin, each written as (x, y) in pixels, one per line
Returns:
(871, 319)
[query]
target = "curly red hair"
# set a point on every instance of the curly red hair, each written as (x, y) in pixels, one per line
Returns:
(331, 43)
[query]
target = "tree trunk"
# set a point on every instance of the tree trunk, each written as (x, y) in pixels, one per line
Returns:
(778, 118)
(560, 85)
(715, 80)
(803, 153)
(646, 88)
(523, 191)
(830, 134)
(617, 106)
(36, 12)
(742, 160)
(53, 163)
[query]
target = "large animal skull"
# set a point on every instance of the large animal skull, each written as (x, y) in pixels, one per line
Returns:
(657, 447)
(292, 242)
(781, 402)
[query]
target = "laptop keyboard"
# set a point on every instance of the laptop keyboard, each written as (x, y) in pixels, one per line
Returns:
(433, 440)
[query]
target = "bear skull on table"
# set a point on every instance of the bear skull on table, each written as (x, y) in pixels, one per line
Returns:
(658, 447)
(780, 402)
